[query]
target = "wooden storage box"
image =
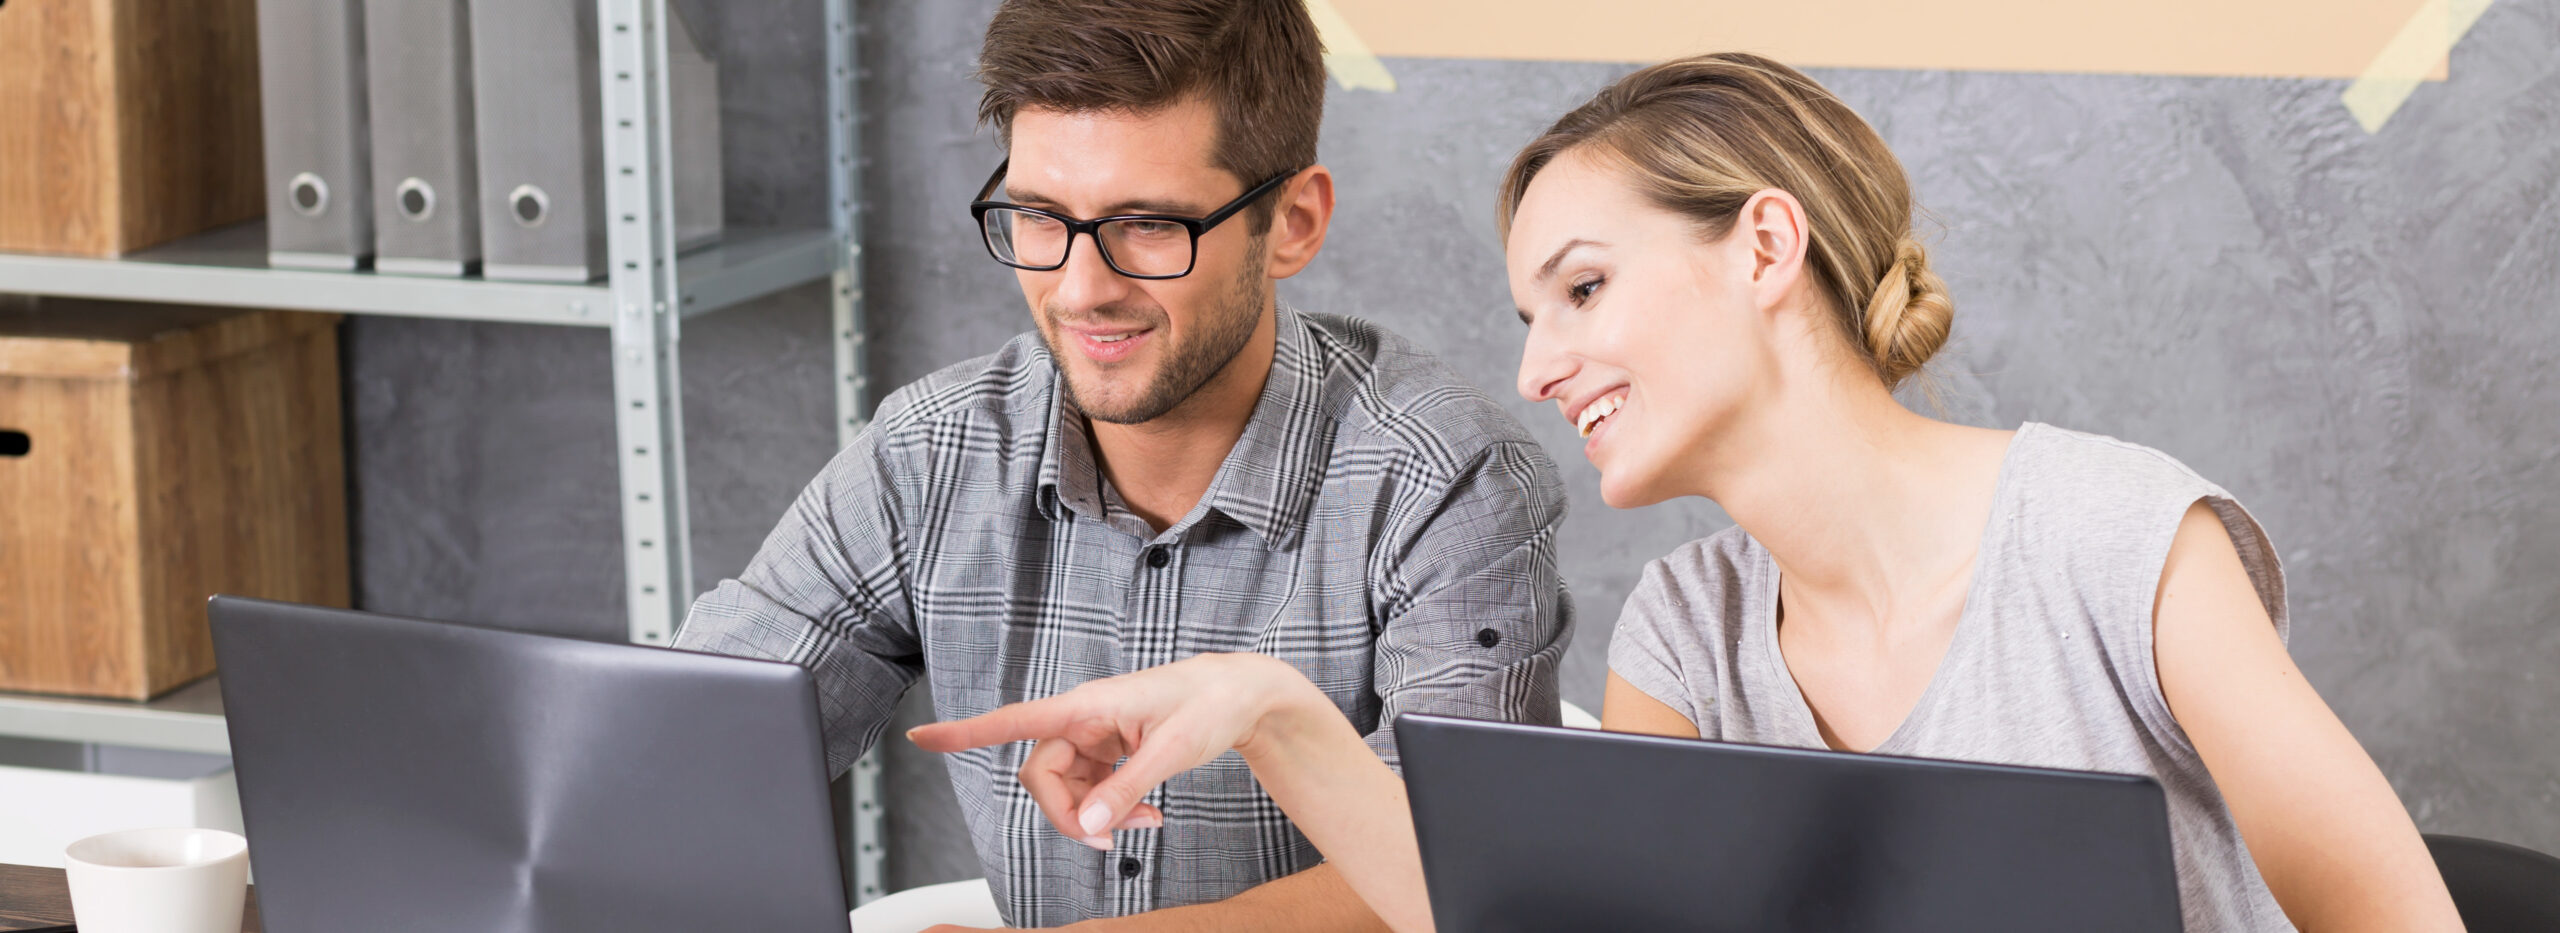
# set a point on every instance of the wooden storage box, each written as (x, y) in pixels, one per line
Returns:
(151, 456)
(124, 124)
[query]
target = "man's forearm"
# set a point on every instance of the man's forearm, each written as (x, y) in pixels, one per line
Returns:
(1317, 899)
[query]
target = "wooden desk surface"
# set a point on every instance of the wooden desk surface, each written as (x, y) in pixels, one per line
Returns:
(38, 898)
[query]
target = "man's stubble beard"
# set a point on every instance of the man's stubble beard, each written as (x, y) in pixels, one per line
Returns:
(1192, 365)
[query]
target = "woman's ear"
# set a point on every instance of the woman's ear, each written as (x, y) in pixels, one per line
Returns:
(1299, 215)
(1772, 226)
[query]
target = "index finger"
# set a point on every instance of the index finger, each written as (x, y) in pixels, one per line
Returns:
(1016, 722)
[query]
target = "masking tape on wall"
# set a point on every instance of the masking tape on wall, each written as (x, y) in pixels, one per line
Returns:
(2413, 53)
(2218, 38)
(2256, 38)
(1346, 57)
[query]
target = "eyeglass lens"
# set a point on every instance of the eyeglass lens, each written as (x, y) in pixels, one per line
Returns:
(1137, 247)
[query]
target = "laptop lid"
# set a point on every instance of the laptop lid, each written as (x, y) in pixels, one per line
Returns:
(1540, 828)
(404, 775)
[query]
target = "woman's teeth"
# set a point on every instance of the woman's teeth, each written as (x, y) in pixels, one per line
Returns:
(1592, 413)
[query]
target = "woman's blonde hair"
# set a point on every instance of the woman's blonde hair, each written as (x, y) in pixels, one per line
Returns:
(1699, 136)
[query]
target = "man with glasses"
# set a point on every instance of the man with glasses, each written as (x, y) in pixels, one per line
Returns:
(1175, 463)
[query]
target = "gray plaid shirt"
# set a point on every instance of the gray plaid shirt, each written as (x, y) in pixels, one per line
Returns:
(1381, 526)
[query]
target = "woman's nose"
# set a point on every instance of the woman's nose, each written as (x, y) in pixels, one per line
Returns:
(1543, 370)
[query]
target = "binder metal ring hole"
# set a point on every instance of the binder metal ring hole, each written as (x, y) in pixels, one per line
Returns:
(310, 195)
(14, 444)
(417, 199)
(529, 205)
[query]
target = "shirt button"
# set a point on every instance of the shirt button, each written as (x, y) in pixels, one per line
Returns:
(1488, 637)
(1157, 558)
(1129, 868)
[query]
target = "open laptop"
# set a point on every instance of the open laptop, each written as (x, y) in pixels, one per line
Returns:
(404, 775)
(1538, 828)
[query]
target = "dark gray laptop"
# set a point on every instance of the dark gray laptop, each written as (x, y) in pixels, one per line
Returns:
(1537, 828)
(404, 775)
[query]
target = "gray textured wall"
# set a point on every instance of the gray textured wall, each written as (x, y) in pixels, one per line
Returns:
(2354, 333)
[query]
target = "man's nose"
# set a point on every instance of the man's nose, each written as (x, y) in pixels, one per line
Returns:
(1086, 281)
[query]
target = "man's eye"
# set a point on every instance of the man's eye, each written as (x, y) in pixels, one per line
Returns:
(1149, 228)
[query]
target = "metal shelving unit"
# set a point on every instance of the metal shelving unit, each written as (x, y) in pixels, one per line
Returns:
(228, 266)
(866, 850)
(648, 293)
(188, 719)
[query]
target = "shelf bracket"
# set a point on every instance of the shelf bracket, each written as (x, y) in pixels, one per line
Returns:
(640, 245)
(866, 849)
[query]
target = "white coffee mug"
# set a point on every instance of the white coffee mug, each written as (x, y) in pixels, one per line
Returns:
(158, 881)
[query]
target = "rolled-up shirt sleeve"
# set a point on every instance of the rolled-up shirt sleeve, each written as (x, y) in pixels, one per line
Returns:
(1477, 617)
(827, 592)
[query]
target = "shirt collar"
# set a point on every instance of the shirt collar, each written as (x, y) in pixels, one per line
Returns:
(1070, 484)
(1268, 480)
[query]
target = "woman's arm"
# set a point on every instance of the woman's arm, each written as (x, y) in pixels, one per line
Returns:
(1624, 708)
(1169, 719)
(2327, 833)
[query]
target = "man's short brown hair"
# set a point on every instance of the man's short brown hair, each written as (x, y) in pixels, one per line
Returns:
(1258, 62)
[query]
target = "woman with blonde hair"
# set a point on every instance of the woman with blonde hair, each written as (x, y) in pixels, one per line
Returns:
(1715, 262)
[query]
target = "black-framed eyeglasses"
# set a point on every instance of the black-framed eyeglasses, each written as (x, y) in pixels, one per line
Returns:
(1140, 246)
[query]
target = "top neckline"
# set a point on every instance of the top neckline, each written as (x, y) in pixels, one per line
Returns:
(1764, 621)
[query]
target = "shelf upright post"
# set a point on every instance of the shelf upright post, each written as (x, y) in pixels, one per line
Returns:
(640, 245)
(865, 845)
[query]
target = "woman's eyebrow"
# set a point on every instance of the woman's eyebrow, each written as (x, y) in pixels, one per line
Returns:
(1548, 271)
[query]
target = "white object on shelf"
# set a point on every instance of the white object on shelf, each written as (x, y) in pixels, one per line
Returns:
(51, 809)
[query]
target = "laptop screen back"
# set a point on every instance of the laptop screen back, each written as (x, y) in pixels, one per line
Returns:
(402, 775)
(1536, 828)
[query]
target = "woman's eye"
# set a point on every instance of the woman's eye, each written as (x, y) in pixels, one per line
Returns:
(1581, 291)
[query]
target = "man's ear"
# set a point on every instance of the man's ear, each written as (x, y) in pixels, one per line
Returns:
(1301, 211)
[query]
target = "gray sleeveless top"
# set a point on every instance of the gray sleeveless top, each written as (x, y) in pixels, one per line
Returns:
(2050, 664)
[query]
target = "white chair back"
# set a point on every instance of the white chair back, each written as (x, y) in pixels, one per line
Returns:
(966, 903)
(1577, 718)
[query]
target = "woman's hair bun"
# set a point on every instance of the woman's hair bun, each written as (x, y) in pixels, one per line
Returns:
(1908, 317)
